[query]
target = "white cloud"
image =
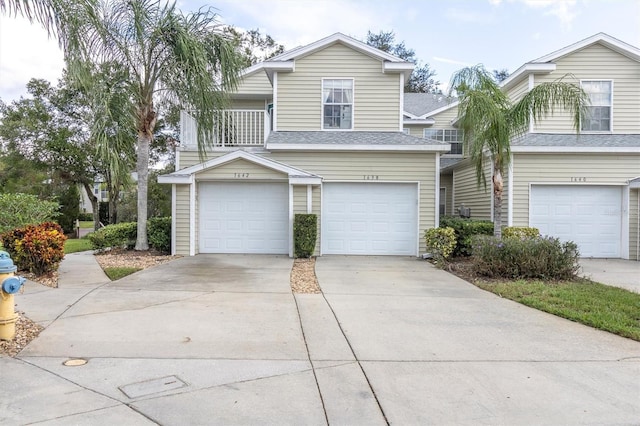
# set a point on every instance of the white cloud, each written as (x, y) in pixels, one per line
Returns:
(564, 10)
(26, 52)
(451, 61)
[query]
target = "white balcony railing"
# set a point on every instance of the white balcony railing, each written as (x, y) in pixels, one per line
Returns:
(233, 128)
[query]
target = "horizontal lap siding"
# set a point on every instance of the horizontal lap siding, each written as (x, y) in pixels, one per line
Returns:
(257, 83)
(182, 220)
(191, 158)
(518, 91)
(350, 166)
(376, 95)
(446, 181)
(445, 118)
(634, 253)
(599, 168)
(240, 171)
(248, 104)
(597, 62)
(467, 191)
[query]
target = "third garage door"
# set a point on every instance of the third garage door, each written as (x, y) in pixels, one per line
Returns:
(588, 215)
(369, 218)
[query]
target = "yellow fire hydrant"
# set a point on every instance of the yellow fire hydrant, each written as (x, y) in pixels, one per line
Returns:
(9, 285)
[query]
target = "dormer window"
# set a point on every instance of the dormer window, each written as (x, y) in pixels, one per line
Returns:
(598, 115)
(337, 104)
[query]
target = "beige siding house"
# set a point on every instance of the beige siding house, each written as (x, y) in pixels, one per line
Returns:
(316, 130)
(580, 187)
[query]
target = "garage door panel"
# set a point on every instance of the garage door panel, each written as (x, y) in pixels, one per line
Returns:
(249, 217)
(369, 218)
(591, 216)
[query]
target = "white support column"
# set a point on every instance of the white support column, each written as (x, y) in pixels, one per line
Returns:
(437, 219)
(401, 102)
(531, 85)
(510, 195)
(192, 219)
(173, 219)
(274, 110)
(309, 199)
(290, 220)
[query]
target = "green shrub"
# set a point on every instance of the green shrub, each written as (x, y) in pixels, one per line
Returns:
(18, 210)
(118, 235)
(85, 217)
(521, 232)
(38, 249)
(69, 208)
(305, 234)
(465, 229)
(159, 233)
(440, 242)
(542, 257)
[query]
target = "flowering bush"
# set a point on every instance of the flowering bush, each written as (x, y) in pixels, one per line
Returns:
(440, 242)
(36, 248)
(541, 257)
(521, 232)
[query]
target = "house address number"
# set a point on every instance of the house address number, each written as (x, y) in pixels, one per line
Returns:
(241, 175)
(371, 177)
(578, 179)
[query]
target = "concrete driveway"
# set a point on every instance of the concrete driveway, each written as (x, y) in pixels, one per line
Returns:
(220, 339)
(615, 272)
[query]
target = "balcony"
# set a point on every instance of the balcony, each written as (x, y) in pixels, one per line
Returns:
(233, 128)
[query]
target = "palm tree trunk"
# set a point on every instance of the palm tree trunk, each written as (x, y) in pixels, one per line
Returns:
(498, 186)
(142, 169)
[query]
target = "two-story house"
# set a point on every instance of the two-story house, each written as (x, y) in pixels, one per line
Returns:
(318, 129)
(581, 187)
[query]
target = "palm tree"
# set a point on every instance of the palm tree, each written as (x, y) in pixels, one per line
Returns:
(167, 56)
(489, 120)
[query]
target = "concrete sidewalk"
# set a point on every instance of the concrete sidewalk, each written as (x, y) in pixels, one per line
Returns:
(220, 339)
(78, 275)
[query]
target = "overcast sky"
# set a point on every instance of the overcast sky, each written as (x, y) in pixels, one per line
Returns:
(445, 34)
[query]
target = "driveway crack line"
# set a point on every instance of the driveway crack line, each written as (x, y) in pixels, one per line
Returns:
(373, 392)
(313, 368)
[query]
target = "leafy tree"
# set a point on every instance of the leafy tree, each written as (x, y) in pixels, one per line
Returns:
(253, 46)
(490, 120)
(500, 75)
(185, 60)
(422, 78)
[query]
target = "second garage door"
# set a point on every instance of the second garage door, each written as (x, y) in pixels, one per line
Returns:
(369, 218)
(588, 215)
(244, 217)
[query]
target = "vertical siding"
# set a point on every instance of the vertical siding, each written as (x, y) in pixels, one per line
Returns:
(598, 62)
(601, 168)
(446, 181)
(256, 83)
(467, 191)
(182, 220)
(376, 95)
(634, 226)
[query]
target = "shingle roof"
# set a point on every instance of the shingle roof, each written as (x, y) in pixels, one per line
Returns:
(581, 140)
(449, 161)
(348, 138)
(419, 104)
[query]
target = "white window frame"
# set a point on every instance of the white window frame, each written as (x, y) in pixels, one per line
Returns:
(599, 80)
(322, 103)
(443, 138)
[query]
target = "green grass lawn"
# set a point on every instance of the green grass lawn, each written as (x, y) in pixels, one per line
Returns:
(607, 308)
(115, 273)
(86, 224)
(76, 245)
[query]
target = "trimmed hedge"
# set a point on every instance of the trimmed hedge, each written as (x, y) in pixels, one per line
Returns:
(38, 249)
(465, 230)
(159, 233)
(440, 242)
(521, 232)
(305, 234)
(542, 258)
(118, 235)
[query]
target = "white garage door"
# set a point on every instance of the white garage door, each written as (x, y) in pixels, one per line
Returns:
(369, 218)
(244, 218)
(588, 215)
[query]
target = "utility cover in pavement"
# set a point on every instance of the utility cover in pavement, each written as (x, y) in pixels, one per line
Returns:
(149, 387)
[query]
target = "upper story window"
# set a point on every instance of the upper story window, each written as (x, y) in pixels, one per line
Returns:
(337, 104)
(453, 136)
(598, 115)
